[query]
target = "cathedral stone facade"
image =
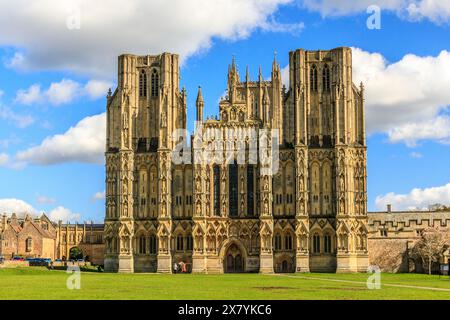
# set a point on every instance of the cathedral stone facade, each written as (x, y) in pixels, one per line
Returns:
(231, 214)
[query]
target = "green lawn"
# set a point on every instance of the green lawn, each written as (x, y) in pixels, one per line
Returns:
(40, 283)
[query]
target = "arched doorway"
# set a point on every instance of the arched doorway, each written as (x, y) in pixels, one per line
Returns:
(75, 254)
(234, 261)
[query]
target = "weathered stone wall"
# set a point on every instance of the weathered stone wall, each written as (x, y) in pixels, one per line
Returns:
(391, 255)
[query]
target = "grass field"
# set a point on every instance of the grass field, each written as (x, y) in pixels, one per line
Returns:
(40, 283)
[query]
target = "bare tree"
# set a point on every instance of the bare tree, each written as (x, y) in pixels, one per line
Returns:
(431, 246)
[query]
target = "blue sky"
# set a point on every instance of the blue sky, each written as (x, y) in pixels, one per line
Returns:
(54, 78)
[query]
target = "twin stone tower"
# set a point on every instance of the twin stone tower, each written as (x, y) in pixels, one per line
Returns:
(220, 211)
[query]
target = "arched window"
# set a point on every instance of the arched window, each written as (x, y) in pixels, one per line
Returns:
(288, 242)
(326, 79)
(233, 189)
(152, 244)
(313, 78)
(316, 243)
(216, 190)
(180, 243)
(142, 245)
(155, 83)
(142, 84)
(327, 243)
(277, 242)
(250, 191)
(29, 244)
(189, 242)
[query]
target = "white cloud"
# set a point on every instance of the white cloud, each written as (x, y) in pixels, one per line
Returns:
(417, 199)
(20, 208)
(12, 205)
(30, 95)
(3, 159)
(416, 155)
(435, 129)
(405, 99)
(45, 200)
(437, 11)
(99, 196)
(97, 88)
(19, 120)
(85, 142)
(347, 7)
(63, 92)
(63, 214)
(285, 76)
(111, 27)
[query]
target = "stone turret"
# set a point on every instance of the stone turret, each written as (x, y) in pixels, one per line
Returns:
(200, 104)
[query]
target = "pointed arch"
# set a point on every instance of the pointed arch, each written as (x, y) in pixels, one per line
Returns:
(326, 81)
(313, 78)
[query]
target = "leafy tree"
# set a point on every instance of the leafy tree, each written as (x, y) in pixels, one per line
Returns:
(76, 253)
(431, 246)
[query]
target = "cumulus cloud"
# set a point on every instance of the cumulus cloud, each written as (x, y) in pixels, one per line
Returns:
(437, 11)
(85, 142)
(17, 119)
(46, 36)
(95, 89)
(3, 159)
(437, 129)
(63, 214)
(417, 199)
(30, 95)
(20, 208)
(12, 205)
(63, 92)
(406, 99)
(99, 196)
(45, 200)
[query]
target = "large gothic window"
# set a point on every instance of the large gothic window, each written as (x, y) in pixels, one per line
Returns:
(327, 243)
(316, 243)
(152, 244)
(189, 242)
(313, 78)
(142, 245)
(142, 84)
(180, 243)
(155, 83)
(250, 191)
(326, 79)
(288, 242)
(233, 189)
(277, 240)
(216, 190)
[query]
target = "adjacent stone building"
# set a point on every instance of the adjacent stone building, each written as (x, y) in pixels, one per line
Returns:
(307, 214)
(392, 235)
(42, 238)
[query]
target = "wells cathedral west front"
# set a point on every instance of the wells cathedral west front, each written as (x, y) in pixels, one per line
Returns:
(310, 214)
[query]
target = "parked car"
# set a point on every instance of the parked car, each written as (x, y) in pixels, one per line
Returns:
(2, 259)
(18, 259)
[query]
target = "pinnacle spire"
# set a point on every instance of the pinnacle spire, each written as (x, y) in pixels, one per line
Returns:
(199, 95)
(233, 63)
